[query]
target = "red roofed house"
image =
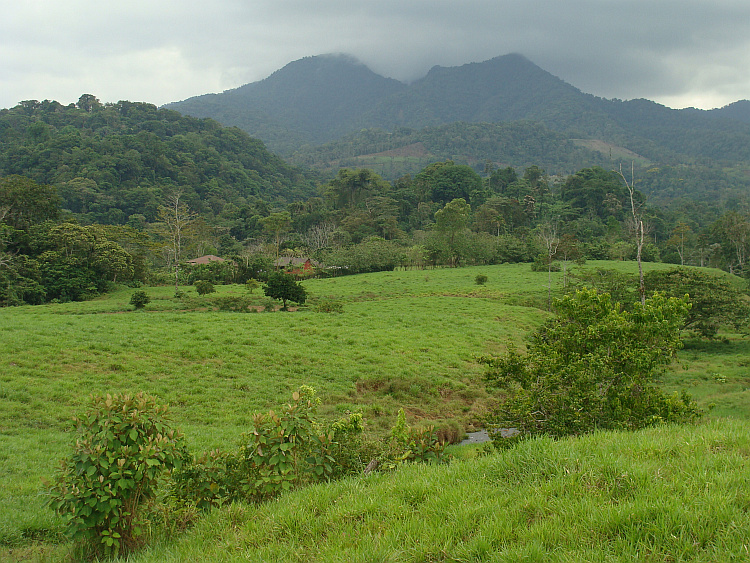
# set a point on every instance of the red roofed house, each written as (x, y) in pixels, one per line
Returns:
(295, 265)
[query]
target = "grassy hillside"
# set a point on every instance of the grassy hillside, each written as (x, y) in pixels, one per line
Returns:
(665, 494)
(405, 339)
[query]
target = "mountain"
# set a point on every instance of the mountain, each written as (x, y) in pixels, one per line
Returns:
(320, 99)
(312, 100)
(739, 111)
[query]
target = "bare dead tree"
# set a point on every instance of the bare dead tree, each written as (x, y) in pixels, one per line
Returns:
(176, 217)
(636, 226)
(319, 236)
(548, 236)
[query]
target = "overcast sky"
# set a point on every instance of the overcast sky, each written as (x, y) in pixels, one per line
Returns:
(677, 52)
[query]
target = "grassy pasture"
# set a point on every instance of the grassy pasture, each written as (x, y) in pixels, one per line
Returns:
(663, 494)
(405, 339)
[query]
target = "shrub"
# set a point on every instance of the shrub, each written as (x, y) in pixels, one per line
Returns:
(204, 287)
(283, 450)
(542, 264)
(139, 299)
(252, 284)
(414, 444)
(208, 480)
(124, 446)
(593, 366)
(329, 305)
(480, 279)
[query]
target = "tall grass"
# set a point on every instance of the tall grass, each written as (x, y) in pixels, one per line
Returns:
(664, 494)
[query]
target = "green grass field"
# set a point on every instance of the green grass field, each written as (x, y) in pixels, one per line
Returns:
(405, 339)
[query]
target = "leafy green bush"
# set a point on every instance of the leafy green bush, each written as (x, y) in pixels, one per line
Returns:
(480, 279)
(124, 445)
(139, 299)
(542, 264)
(252, 284)
(593, 366)
(211, 479)
(204, 287)
(283, 450)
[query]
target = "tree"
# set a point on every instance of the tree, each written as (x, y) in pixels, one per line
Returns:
(23, 202)
(592, 366)
(548, 236)
(283, 286)
(714, 300)
(680, 235)
(350, 187)
(451, 221)
(176, 217)
(637, 228)
(139, 299)
(734, 230)
(277, 224)
(204, 287)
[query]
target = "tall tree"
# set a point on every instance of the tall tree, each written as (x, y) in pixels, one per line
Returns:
(636, 227)
(451, 221)
(23, 202)
(176, 216)
(547, 233)
(277, 224)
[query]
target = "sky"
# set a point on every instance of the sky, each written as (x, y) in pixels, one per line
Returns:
(680, 53)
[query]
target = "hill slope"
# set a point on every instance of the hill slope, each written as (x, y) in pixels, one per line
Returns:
(664, 494)
(111, 161)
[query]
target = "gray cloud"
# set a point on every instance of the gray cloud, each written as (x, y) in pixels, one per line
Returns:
(681, 53)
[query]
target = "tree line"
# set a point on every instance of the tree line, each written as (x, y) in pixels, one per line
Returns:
(446, 215)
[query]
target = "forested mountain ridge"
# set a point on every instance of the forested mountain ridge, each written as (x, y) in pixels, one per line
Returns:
(312, 100)
(111, 161)
(502, 89)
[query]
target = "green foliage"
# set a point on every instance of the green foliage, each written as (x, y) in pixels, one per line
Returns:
(374, 254)
(543, 264)
(715, 301)
(204, 287)
(480, 279)
(592, 366)
(208, 480)
(285, 449)
(413, 444)
(282, 451)
(124, 446)
(24, 202)
(113, 161)
(139, 299)
(252, 284)
(283, 286)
